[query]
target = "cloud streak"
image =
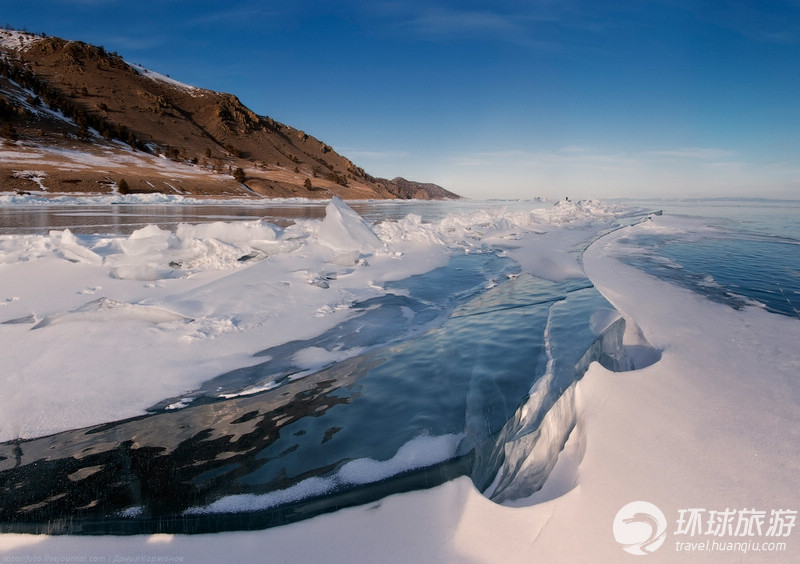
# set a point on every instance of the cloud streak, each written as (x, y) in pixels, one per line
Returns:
(582, 171)
(246, 15)
(359, 154)
(776, 22)
(440, 22)
(701, 153)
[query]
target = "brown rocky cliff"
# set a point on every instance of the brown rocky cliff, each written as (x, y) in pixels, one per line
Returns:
(99, 119)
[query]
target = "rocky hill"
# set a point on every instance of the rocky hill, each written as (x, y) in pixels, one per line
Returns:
(76, 118)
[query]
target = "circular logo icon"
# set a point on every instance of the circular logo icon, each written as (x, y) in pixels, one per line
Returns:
(640, 527)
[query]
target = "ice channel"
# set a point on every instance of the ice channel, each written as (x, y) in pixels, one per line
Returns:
(440, 378)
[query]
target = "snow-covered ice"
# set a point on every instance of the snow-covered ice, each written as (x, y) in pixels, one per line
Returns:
(201, 300)
(122, 323)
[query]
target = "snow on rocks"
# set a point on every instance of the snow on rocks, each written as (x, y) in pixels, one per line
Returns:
(152, 75)
(13, 39)
(36, 176)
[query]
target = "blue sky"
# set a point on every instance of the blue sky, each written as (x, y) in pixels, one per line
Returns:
(579, 98)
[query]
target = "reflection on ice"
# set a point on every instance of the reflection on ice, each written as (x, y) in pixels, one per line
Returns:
(464, 364)
(737, 269)
(488, 392)
(411, 307)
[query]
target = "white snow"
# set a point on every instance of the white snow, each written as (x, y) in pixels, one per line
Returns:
(13, 39)
(162, 78)
(29, 157)
(36, 176)
(417, 453)
(713, 424)
(202, 299)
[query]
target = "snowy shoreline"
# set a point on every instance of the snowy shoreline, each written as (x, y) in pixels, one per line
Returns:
(712, 424)
(44, 198)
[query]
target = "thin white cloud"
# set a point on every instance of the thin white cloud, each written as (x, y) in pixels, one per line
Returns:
(702, 153)
(451, 23)
(92, 2)
(357, 154)
(516, 23)
(245, 15)
(569, 158)
(775, 21)
(576, 149)
(585, 172)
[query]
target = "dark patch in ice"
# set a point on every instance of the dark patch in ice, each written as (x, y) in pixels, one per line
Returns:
(330, 433)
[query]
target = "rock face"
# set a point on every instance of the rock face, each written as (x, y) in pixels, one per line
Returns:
(408, 190)
(76, 118)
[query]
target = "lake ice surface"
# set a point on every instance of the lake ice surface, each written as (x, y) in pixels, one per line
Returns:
(710, 424)
(438, 337)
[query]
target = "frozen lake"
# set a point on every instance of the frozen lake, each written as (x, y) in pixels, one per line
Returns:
(450, 369)
(125, 218)
(738, 253)
(216, 368)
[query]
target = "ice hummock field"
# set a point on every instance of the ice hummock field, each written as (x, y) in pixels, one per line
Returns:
(712, 422)
(109, 317)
